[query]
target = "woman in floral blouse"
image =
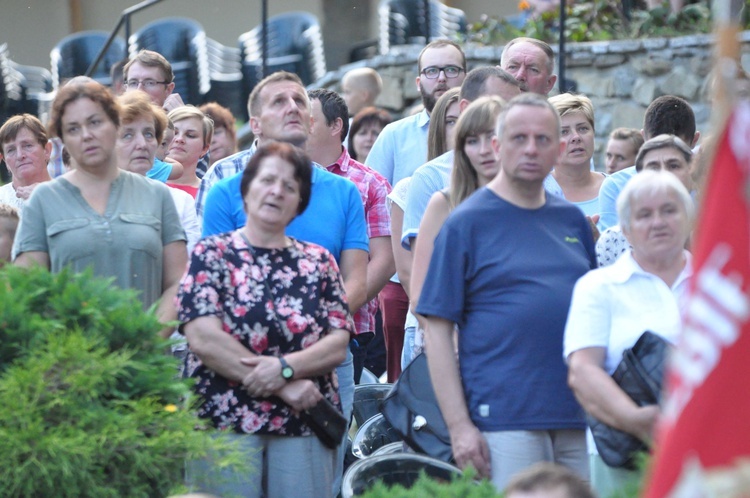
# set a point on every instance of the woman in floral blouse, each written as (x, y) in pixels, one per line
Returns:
(267, 321)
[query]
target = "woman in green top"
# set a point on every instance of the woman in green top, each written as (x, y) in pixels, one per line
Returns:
(97, 215)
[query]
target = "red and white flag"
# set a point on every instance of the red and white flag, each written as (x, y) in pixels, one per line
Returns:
(703, 442)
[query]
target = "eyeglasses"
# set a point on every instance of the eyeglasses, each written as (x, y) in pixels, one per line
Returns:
(148, 84)
(433, 72)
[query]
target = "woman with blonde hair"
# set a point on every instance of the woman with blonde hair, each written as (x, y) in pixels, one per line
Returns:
(193, 132)
(476, 162)
(572, 178)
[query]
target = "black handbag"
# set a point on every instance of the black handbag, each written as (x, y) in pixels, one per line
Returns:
(327, 423)
(412, 409)
(640, 374)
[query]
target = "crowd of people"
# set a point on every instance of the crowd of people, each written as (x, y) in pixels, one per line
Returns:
(478, 230)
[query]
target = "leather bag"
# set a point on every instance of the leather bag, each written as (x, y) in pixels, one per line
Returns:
(327, 423)
(412, 409)
(640, 374)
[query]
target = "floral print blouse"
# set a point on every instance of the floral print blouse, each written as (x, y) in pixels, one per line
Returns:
(226, 281)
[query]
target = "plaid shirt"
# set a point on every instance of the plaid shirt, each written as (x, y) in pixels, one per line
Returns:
(225, 168)
(374, 189)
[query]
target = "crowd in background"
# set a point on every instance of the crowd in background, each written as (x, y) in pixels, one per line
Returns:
(477, 230)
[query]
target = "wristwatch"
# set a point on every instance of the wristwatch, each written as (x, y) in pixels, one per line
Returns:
(286, 370)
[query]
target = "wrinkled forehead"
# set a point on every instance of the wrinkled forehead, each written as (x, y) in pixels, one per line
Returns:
(525, 53)
(284, 88)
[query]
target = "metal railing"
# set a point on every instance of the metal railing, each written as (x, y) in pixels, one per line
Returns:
(124, 19)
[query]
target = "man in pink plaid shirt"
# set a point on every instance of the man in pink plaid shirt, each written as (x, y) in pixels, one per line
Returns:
(324, 146)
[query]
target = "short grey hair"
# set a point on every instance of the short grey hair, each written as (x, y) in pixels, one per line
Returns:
(526, 99)
(662, 142)
(651, 182)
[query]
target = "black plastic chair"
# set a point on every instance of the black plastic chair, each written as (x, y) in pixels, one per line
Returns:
(402, 22)
(367, 398)
(391, 469)
(225, 71)
(295, 44)
(73, 55)
(375, 433)
(183, 43)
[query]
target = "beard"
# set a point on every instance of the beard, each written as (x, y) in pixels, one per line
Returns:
(429, 99)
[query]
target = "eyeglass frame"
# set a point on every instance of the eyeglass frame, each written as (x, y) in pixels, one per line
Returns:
(443, 70)
(147, 83)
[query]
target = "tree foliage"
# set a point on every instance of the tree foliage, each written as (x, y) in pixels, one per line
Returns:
(90, 403)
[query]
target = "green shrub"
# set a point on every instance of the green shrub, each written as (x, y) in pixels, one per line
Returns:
(90, 404)
(597, 20)
(425, 487)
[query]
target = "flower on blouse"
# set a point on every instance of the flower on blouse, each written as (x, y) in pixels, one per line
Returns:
(524, 5)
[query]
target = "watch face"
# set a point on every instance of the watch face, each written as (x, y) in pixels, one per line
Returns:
(287, 372)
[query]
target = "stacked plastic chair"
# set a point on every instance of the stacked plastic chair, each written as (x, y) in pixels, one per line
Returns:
(295, 44)
(74, 54)
(184, 44)
(403, 22)
(225, 71)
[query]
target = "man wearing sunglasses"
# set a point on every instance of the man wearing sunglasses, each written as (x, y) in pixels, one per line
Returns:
(402, 146)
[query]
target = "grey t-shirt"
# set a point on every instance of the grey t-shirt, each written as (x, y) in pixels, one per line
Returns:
(126, 242)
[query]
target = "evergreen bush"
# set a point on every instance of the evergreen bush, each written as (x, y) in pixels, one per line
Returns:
(90, 403)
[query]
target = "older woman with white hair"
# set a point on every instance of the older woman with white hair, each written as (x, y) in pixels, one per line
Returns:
(611, 307)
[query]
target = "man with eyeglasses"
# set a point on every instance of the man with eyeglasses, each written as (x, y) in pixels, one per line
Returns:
(150, 72)
(402, 146)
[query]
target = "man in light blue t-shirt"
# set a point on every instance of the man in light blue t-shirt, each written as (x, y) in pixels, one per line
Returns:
(279, 110)
(402, 146)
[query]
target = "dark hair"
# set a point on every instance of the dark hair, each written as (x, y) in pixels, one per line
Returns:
(663, 142)
(333, 106)
(291, 154)
(117, 71)
(366, 116)
(73, 91)
(670, 115)
(15, 124)
(253, 102)
(549, 476)
(473, 86)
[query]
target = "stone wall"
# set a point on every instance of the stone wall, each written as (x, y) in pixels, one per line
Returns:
(621, 77)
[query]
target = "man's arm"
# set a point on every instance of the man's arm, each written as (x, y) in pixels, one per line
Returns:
(381, 266)
(401, 256)
(468, 443)
(175, 262)
(353, 266)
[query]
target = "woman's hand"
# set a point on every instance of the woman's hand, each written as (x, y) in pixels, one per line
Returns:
(645, 422)
(300, 394)
(265, 379)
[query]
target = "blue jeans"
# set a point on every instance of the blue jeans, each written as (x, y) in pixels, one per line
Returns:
(345, 373)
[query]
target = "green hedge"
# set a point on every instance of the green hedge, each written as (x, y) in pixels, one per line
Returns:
(90, 403)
